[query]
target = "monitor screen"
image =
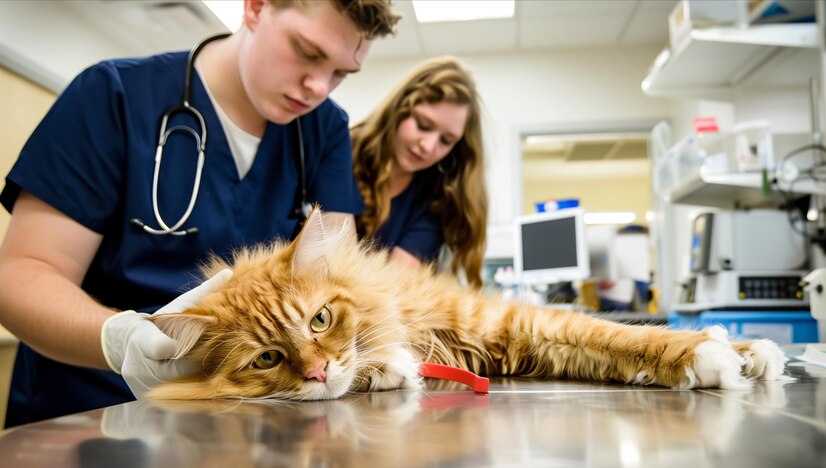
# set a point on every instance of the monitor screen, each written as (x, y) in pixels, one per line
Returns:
(551, 247)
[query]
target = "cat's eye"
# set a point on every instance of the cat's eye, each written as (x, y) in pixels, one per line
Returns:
(267, 360)
(322, 320)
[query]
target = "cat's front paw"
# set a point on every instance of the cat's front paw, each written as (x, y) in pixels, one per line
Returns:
(386, 378)
(715, 364)
(400, 371)
(764, 360)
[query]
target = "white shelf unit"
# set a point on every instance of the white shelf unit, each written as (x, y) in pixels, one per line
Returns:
(729, 190)
(724, 63)
(710, 62)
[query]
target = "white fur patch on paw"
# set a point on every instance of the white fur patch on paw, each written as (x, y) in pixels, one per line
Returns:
(718, 333)
(764, 360)
(716, 365)
(401, 371)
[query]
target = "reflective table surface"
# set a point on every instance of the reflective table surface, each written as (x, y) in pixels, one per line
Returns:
(519, 423)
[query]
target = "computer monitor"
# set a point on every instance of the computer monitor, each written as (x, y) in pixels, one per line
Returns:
(551, 247)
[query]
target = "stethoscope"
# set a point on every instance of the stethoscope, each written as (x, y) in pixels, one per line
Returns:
(302, 207)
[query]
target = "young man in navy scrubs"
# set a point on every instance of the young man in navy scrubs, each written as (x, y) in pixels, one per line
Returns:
(73, 256)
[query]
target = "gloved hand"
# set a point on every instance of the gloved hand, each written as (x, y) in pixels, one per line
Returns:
(143, 354)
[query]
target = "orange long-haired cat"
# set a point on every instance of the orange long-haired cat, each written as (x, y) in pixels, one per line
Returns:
(325, 315)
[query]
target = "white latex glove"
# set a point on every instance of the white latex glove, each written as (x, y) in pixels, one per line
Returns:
(135, 348)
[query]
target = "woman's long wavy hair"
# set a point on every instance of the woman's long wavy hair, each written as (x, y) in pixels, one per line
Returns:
(459, 196)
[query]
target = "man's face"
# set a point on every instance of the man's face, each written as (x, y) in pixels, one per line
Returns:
(294, 57)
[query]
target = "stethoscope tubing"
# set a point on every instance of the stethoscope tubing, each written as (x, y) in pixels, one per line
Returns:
(300, 211)
(197, 184)
(200, 140)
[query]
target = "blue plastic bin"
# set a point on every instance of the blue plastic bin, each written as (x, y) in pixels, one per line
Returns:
(779, 326)
(553, 205)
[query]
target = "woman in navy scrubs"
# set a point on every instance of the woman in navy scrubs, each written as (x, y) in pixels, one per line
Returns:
(74, 252)
(418, 161)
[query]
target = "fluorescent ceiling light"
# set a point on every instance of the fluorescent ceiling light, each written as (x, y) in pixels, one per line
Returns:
(230, 12)
(432, 11)
(611, 217)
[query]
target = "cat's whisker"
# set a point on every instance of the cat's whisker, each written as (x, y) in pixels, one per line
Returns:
(384, 331)
(365, 365)
(221, 364)
(400, 327)
(355, 384)
(368, 311)
(424, 391)
(364, 345)
(373, 349)
(276, 398)
(422, 348)
(405, 325)
(373, 328)
(211, 350)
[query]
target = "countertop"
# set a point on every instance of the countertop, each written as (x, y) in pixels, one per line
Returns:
(521, 422)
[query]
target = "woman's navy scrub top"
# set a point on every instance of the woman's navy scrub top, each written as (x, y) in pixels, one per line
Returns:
(92, 158)
(410, 224)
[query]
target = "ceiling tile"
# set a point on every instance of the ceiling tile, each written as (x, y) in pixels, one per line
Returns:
(658, 6)
(571, 32)
(535, 9)
(468, 36)
(646, 28)
(405, 9)
(405, 43)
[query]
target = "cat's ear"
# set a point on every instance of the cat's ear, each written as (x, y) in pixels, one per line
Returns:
(185, 329)
(311, 244)
(322, 234)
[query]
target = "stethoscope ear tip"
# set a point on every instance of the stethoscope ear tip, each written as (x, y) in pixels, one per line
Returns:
(136, 223)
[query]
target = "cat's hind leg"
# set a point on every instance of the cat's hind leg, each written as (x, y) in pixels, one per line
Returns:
(764, 360)
(715, 364)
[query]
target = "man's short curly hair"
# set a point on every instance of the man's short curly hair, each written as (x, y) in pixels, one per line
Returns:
(373, 18)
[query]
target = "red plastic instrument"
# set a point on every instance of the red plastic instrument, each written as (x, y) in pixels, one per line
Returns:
(439, 371)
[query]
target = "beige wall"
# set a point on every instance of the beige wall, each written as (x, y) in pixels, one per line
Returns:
(24, 104)
(599, 192)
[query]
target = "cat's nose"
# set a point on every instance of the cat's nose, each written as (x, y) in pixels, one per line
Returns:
(318, 373)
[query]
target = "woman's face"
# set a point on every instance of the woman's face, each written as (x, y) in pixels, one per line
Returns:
(428, 134)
